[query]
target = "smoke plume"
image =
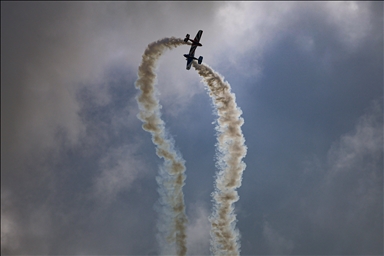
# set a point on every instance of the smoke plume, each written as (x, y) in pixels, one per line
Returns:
(172, 176)
(230, 151)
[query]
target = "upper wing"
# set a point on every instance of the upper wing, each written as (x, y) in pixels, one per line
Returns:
(198, 36)
(192, 50)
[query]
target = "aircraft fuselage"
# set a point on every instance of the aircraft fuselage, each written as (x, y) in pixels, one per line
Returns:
(195, 43)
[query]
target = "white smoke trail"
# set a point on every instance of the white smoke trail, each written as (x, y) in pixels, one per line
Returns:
(171, 181)
(230, 152)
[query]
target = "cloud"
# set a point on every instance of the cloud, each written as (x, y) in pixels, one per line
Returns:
(347, 203)
(257, 26)
(51, 54)
(355, 165)
(57, 145)
(277, 243)
(360, 148)
(333, 204)
(253, 25)
(9, 227)
(120, 167)
(24, 235)
(198, 238)
(352, 20)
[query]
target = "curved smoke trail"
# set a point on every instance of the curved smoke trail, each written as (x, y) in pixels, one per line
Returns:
(231, 150)
(172, 180)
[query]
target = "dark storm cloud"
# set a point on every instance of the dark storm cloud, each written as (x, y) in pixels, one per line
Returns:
(70, 146)
(303, 74)
(49, 47)
(306, 100)
(52, 204)
(334, 206)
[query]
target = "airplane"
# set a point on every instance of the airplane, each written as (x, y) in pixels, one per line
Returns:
(195, 42)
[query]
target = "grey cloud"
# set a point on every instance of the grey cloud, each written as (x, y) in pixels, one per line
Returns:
(305, 72)
(120, 167)
(198, 229)
(9, 227)
(334, 205)
(278, 244)
(364, 144)
(68, 45)
(347, 203)
(258, 26)
(352, 20)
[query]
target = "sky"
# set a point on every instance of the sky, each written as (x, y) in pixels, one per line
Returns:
(78, 172)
